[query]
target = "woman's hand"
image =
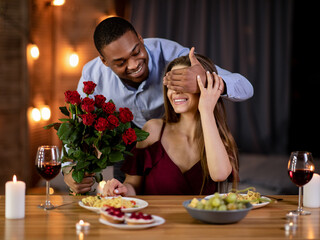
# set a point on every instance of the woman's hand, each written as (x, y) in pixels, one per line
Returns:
(83, 187)
(210, 95)
(114, 187)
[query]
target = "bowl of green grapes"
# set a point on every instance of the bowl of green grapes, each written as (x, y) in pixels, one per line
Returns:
(219, 209)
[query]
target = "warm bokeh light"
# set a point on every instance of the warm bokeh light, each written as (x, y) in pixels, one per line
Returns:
(34, 51)
(58, 2)
(74, 60)
(36, 115)
(45, 113)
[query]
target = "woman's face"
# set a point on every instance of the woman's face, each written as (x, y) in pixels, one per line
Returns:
(180, 101)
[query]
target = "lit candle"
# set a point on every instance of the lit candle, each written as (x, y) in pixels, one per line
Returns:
(82, 226)
(292, 217)
(15, 198)
(100, 187)
(311, 192)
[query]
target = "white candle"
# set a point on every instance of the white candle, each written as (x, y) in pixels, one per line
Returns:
(15, 199)
(82, 226)
(311, 192)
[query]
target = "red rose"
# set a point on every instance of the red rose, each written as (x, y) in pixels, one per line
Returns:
(109, 107)
(125, 115)
(72, 97)
(87, 104)
(88, 87)
(129, 136)
(113, 122)
(101, 124)
(88, 119)
(99, 100)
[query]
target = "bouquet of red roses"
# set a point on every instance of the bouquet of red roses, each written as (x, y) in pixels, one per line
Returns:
(94, 135)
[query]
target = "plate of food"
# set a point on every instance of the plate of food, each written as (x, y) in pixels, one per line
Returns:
(251, 196)
(114, 217)
(126, 204)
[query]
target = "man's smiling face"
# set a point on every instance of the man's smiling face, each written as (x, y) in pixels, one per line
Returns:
(128, 58)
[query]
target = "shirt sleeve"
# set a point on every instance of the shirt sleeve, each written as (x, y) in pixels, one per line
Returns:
(238, 87)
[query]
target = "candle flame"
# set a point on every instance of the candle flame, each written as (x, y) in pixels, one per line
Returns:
(14, 178)
(81, 222)
(102, 183)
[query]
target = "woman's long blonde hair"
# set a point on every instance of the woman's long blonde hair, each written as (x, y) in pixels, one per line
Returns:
(219, 113)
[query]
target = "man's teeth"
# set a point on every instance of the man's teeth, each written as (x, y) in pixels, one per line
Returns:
(139, 69)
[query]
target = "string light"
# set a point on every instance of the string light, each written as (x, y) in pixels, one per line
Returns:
(34, 51)
(58, 2)
(36, 115)
(74, 60)
(45, 113)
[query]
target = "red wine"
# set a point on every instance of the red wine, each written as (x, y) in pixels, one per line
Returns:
(300, 177)
(49, 171)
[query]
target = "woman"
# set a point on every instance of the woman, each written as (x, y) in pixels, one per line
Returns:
(187, 152)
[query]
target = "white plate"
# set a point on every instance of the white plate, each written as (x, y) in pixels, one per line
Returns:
(157, 221)
(256, 205)
(139, 203)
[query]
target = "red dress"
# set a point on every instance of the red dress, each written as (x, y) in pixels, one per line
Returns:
(161, 176)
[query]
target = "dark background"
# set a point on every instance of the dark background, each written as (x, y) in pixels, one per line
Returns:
(304, 125)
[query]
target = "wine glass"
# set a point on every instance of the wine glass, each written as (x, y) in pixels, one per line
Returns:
(48, 165)
(300, 170)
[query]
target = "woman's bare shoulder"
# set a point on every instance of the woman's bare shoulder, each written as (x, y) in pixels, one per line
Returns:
(153, 127)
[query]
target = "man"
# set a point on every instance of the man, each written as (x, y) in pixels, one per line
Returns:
(130, 70)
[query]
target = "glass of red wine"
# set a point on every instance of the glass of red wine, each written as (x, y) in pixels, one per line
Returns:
(48, 165)
(300, 170)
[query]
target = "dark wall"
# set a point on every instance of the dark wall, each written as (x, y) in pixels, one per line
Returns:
(305, 102)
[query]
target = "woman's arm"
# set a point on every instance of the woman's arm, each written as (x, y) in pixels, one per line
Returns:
(217, 157)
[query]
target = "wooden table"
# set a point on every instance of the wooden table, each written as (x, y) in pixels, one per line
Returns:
(264, 223)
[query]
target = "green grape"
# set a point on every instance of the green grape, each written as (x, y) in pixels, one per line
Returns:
(232, 206)
(215, 202)
(200, 205)
(231, 198)
(222, 207)
(207, 206)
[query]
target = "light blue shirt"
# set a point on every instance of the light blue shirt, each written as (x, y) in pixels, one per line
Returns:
(146, 102)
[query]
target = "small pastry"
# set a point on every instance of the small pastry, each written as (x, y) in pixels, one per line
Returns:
(112, 215)
(137, 218)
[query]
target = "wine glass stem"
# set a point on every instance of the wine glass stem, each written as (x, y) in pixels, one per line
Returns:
(300, 200)
(47, 193)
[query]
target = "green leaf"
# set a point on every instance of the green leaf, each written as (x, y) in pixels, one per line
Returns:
(76, 135)
(54, 125)
(127, 153)
(98, 177)
(116, 157)
(78, 154)
(120, 147)
(103, 162)
(65, 120)
(141, 135)
(65, 111)
(105, 150)
(78, 175)
(82, 165)
(65, 130)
